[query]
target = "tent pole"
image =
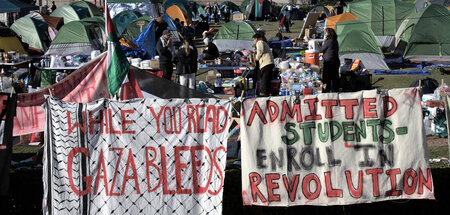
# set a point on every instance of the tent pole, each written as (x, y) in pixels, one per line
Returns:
(382, 17)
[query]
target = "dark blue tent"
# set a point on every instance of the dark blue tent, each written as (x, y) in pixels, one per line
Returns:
(146, 40)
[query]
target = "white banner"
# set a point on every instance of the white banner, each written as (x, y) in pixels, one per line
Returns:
(334, 149)
(135, 157)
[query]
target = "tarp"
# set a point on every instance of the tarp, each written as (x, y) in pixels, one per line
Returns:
(77, 38)
(175, 12)
(426, 35)
(401, 72)
(156, 155)
(135, 28)
(145, 8)
(11, 44)
(357, 41)
(146, 40)
(123, 19)
(93, 10)
(331, 21)
(70, 13)
(334, 149)
(9, 6)
(235, 35)
(33, 32)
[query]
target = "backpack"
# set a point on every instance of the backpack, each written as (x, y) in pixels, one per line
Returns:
(428, 85)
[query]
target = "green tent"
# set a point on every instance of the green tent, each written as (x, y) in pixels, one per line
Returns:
(76, 38)
(183, 4)
(243, 6)
(32, 31)
(235, 35)
(70, 13)
(135, 28)
(383, 16)
(123, 19)
(427, 35)
(357, 41)
(93, 10)
(96, 20)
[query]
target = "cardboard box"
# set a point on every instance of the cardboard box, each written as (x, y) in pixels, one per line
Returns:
(238, 17)
(154, 64)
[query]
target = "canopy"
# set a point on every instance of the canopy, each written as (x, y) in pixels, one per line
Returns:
(32, 32)
(427, 35)
(333, 20)
(11, 44)
(93, 10)
(135, 28)
(235, 35)
(70, 13)
(175, 11)
(357, 41)
(9, 6)
(76, 38)
(123, 19)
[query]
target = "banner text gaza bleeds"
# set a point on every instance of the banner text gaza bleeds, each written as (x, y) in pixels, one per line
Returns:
(200, 119)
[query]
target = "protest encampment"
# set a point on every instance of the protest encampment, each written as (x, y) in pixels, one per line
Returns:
(224, 107)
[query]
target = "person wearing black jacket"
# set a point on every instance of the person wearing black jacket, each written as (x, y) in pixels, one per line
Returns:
(211, 51)
(330, 50)
(165, 51)
(187, 63)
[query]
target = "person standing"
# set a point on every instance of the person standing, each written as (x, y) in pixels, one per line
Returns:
(330, 50)
(53, 6)
(208, 11)
(216, 12)
(187, 64)
(165, 51)
(227, 11)
(266, 64)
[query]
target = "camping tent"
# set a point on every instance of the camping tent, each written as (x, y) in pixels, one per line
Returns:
(9, 6)
(233, 6)
(32, 31)
(357, 41)
(424, 3)
(331, 21)
(70, 13)
(146, 40)
(182, 4)
(76, 38)
(135, 28)
(123, 19)
(197, 11)
(54, 22)
(256, 10)
(296, 13)
(151, 8)
(383, 16)
(235, 35)
(11, 44)
(92, 9)
(175, 12)
(427, 35)
(319, 8)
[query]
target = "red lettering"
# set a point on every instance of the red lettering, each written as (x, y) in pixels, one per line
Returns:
(116, 170)
(256, 110)
(328, 104)
(389, 102)
(312, 109)
(150, 163)
(157, 117)
(218, 169)
(191, 119)
(92, 122)
(271, 186)
(291, 113)
(427, 182)
(196, 163)
(409, 174)
(273, 111)
(291, 188)
(393, 191)
(86, 179)
(177, 130)
(199, 118)
(178, 166)
(369, 109)
(329, 187)
(349, 104)
(306, 186)
(355, 193)
(375, 172)
(212, 119)
(168, 131)
(130, 160)
(111, 127)
(162, 150)
(71, 127)
(220, 108)
(125, 122)
(255, 180)
(101, 165)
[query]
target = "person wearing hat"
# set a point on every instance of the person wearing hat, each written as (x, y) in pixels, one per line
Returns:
(211, 51)
(165, 51)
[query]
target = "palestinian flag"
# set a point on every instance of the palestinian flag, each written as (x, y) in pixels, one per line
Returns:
(116, 62)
